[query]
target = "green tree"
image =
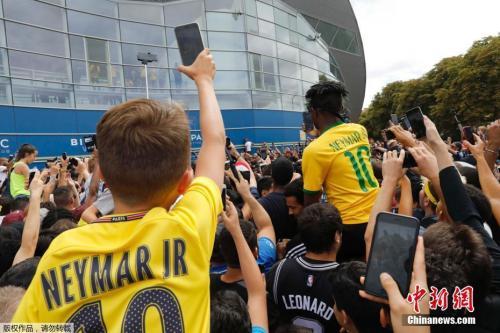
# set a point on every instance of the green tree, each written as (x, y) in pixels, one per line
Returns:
(467, 85)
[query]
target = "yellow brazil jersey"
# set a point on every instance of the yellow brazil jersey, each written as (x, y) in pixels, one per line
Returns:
(131, 274)
(338, 162)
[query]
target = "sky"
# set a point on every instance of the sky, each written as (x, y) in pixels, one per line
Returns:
(404, 39)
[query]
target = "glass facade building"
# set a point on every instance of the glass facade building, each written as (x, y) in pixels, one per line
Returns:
(64, 62)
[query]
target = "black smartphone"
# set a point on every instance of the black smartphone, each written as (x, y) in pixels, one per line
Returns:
(232, 165)
(223, 197)
(64, 156)
(409, 161)
(389, 135)
(90, 143)
(32, 175)
(190, 43)
(73, 161)
(228, 142)
(403, 121)
(416, 119)
(468, 134)
(308, 122)
(393, 250)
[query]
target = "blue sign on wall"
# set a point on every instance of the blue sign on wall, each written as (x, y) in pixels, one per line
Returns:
(54, 131)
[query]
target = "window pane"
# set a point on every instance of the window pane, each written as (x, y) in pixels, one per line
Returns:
(37, 40)
(269, 65)
(294, 39)
(265, 11)
(251, 9)
(309, 74)
(107, 8)
(5, 91)
(143, 13)
(97, 49)
(288, 52)
(304, 27)
(261, 45)
(293, 102)
(115, 52)
(292, 22)
(290, 86)
(158, 78)
(98, 73)
(187, 98)
(77, 47)
(289, 69)
(91, 25)
(323, 65)
(180, 81)
(231, 80)
(98, 97)
(224, 5)
(142, 33)
(252, 25)
(257, 80)
(42, 93)
(4, 65)
(179, 13)
(79, 69)
(159, 95)
(280, 17)
(116, 76)
(266, 29)
(225, 22)
(226, 41)
(255, 64)
(134, 76)
(33, 66)
(327, 31)
(172, 41)
(37, 13)
(308, 59)
(265, 100)
(282, 34)
(271, 82)
(2, 35)
(130, 54)
(343, 39)
(230, 60)
(234, 99)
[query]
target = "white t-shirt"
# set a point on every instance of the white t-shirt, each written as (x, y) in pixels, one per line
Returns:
(248, 146)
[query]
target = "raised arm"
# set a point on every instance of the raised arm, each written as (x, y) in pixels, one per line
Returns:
(211, 158)
(406, 200)
(260, 216)
(252, 276)
(489, 184)
(493, 145)
(32, 224)
(392, 171)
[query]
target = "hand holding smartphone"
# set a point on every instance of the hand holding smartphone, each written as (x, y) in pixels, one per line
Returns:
(416, 119)
(393, 251)
(189, 41)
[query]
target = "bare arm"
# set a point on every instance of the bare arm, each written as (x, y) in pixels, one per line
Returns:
(392, 171)
(32, 224)
(260, 216)
(493, 144)
(489, 184)
(89, 215)
(406, 201)
(252, 276)
(211, 158)
(310, 199)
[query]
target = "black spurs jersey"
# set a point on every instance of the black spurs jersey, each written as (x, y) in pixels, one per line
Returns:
(299, 291)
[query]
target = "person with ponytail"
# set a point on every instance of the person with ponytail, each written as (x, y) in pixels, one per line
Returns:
(19, 176)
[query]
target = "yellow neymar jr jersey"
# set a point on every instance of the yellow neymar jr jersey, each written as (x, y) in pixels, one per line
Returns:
(338, 162)
(131, 274)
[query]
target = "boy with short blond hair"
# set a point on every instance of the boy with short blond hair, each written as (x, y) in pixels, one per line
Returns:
(144, 268)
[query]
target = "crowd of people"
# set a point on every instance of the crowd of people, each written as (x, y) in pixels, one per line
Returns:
(138, 237)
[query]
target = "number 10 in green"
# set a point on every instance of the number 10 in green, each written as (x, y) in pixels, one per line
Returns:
(357, 170)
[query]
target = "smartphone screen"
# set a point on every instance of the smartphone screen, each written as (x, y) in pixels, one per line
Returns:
(393, 250)
(389, 135)
(468, 134)
(64, 156)
(394, 119)
(228, 142)
(308, 122)
(32, 175)
(409, 161)
(416, 119)
(189, 41)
